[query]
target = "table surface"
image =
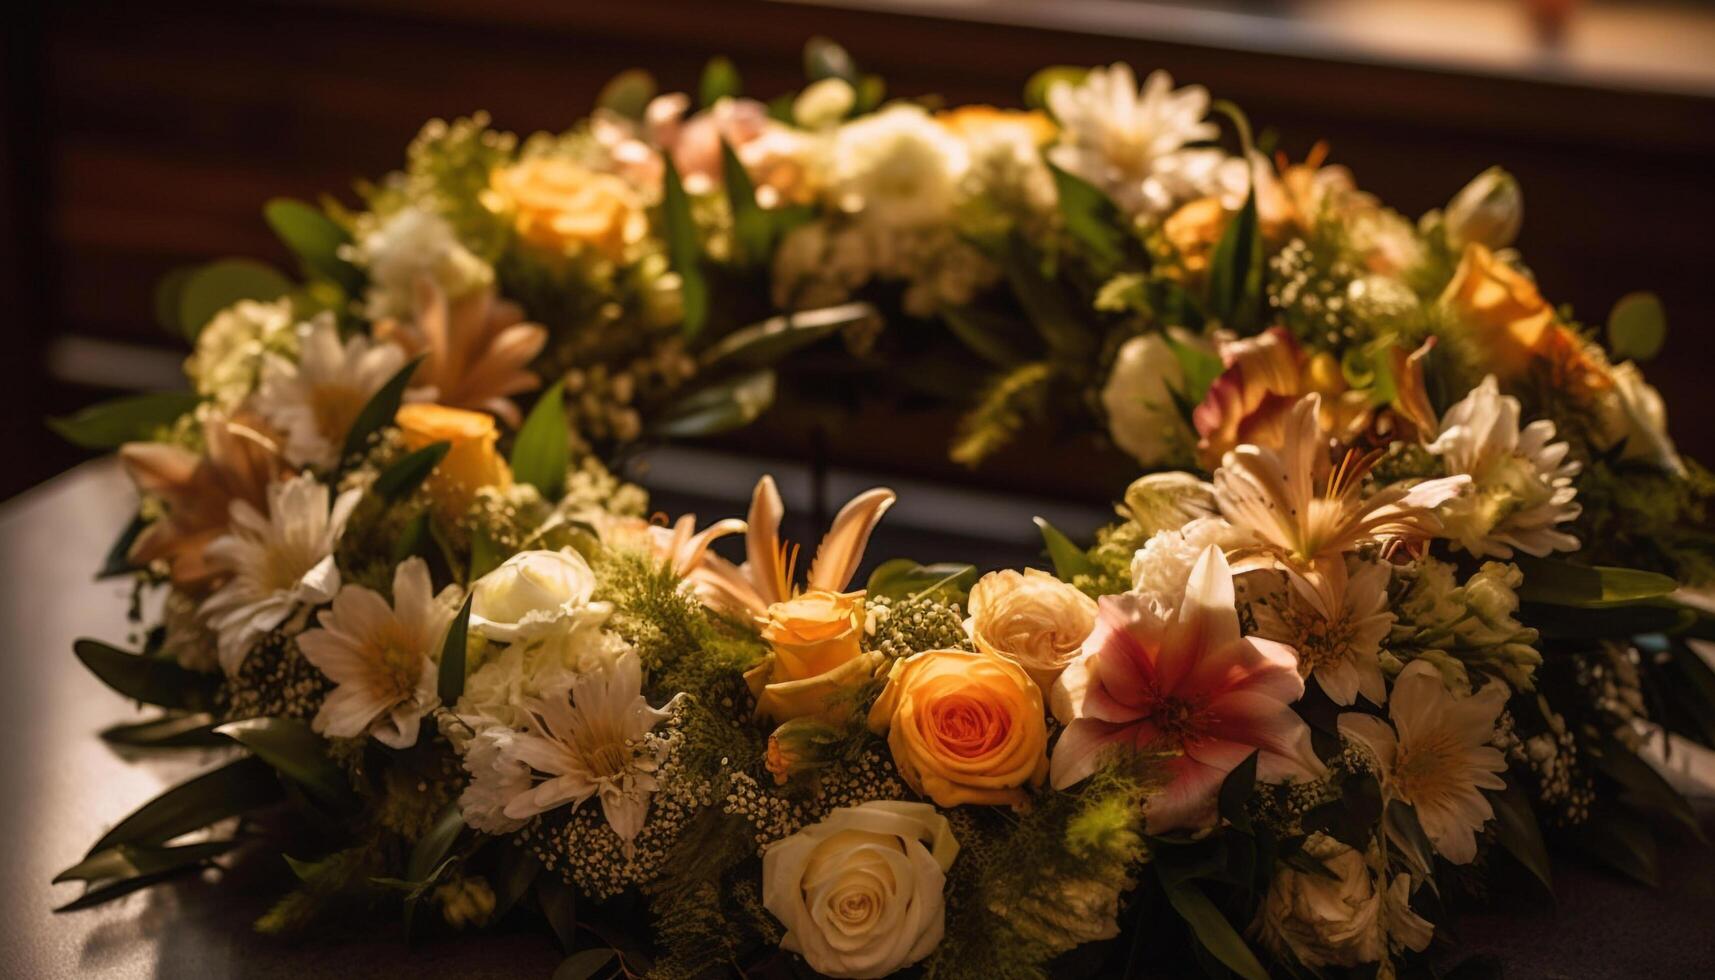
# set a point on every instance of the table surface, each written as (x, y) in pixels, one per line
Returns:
(63, 787)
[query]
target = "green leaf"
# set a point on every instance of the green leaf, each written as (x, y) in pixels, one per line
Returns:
(118, 560)
(134, 418)
(429, 857)
(485, 554)
(583, 965)
(228, 791)
(194, 730)
(119, 889)
(1236, 791)
(1091, 218)
(765, 343)
(720, 81)
(515, 870)
(412, 537)
(132, 860)
(216, 286)
(720, 407)
(1068, 335)
(150, 680)
(1235, 269)
(167, 292)
(1637, 327)
(627, 93)
(1572, 622)
(1561, 583)
(298, 754)
(379, 411)
(1037, 88)
(542, 452)
(1642, 787)
(1621, 843)
(683, 252)
(1069, 559)
(1403, 827)
(1214, 931)
(902, 578)
(450, 679)
(825, 59)
(985, 334)
(1517, 830)
(752, 227)
(315, 239)
(871, 89)
(1200, 368)
(401, 479)
(559, 904)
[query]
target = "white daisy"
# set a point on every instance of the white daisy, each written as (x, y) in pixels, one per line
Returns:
(277, 562)
(381, 658)
(1522, 481)
(315, 400)
(1340, 646)
(1129, 142)
(592, 740)
(1436, 756)
(897, 167)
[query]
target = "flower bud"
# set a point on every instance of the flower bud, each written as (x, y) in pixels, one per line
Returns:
(801, 745)
(1168, 501)
(823, 103)
(1487, 211)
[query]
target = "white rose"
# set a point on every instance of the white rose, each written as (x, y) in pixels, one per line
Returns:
(1345, 920)
(1632, 412)
(533, 594)
(860, 893)
(1138, 398)
(408, 244)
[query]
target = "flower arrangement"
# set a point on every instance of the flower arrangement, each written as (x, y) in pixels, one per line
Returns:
(1395, 603)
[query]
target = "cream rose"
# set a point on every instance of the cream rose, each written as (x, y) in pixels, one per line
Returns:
(533, 594)
(1168, 501)
(560, 205)
(1346, 920)
(964, 727)
(1138, 398)
(1031, 618)
(816, 654)
(860, 893)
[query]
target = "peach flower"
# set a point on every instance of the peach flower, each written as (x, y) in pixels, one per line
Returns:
(476, 350)
(964, 727)
(471, 463)
(562, 206)
(1031, 618)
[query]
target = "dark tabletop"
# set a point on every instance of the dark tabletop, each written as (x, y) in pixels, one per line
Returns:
(61, 787)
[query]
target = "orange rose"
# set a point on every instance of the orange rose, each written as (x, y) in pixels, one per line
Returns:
(971, 120)
(1507, 315)
(816, 655)
(470, 464)
(964, 727)
(561, 206)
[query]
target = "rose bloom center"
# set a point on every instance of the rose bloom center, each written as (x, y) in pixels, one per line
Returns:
(967, 726)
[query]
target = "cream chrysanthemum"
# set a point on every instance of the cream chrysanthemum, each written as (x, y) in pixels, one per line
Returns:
(592, 740)
(277, 562)
(1521, 479)
(898, 168)
(381, 657)
(1340, 646)
(1160, 569)
(1130, 142)
(315, 400)
(1436, 756)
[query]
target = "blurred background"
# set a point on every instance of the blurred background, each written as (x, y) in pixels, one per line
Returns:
(141, 137)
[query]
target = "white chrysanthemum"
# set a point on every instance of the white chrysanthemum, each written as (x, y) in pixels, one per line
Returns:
(409, 244)
(496, 692)
(1436, 756)
(1340, 647)
(231, 347)
(381, 658)
(497, 777)
(1160, 569)
(277, 562)
(1138, 398)
(1521, 479)
(1127, 141)
(315, 400)
(591, 740)
(897, 168)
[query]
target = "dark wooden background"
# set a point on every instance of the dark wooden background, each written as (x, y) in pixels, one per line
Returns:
(139, 137)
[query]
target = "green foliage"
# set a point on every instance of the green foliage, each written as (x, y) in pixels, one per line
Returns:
(207, 290)
(1011, 401)
(327, 887)
(1637, 327)
(541, 452)
(683, 249)
(111, 424)
(694, 915)
(1109, 571)
(1641, 517)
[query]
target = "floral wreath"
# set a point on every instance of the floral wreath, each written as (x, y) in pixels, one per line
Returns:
(1397, 600)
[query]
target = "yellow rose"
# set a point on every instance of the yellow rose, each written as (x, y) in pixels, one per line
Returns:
(972, 120)
(1512, 321)
(1031, 618)
(470, 464)
(559, 205)
(1194, 230)
(816, 655)
(964, 727)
